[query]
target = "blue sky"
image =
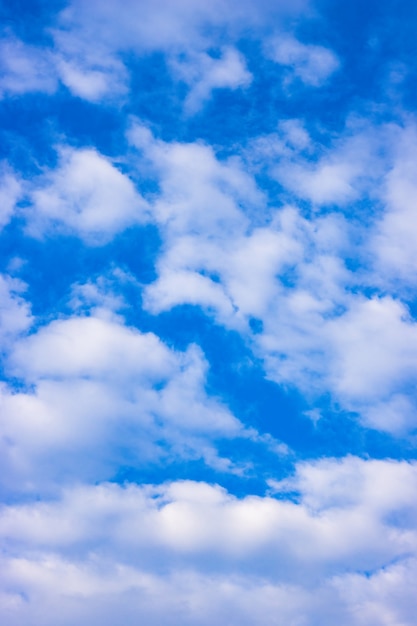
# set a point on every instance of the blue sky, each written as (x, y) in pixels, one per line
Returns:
(208, 225)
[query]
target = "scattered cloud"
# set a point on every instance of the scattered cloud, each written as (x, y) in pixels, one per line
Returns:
(25, 68)
(312, 64)
(85, 195)
(90, 381)
(204, 73)
(207, 314)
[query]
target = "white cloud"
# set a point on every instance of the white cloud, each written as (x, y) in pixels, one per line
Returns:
(199, 210)
(91, 384)
(312, 64)
(92, 79)
(351, 515)
(89, 70)
(15, 316)
(93, 74)
(349, 539)
(176, 286)
(10, 193)
(103, 296)
(90, 62)
(85, 195)
(376, 342)
(364, 356)
(58, 592)
(88, 395)
(90, 59)
(239, 258)
(25, 68)
(396, 232)
(339, 175)
(180, 24)
(197, 191)
(204, 73)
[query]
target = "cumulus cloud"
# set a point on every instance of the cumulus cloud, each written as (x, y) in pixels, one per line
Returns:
(199, 212)
(85, 195)
(300, 242)
(352, 515)
(338, 175)
(197, 191)
(91, 62)
(93, 384)
(242, 260)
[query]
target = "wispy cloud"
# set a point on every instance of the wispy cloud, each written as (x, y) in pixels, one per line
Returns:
(312, 64)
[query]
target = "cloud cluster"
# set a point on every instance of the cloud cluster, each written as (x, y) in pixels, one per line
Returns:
(285, 273)
(98, 395)
(186, 33)
(348, 541)
(257, 224)
(276, 273)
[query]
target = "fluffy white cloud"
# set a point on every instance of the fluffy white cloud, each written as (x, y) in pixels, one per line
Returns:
(93, 384)
(351, 514)
(86, 195)
(199, 211)
(197, 191)
(305, 271)
(226, 250)
(94, 78)
(376, 348)
(90, 61)
(338, 176)
(308, 559)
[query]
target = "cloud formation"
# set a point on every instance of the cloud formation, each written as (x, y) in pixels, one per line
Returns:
(85, 195)
(257, 555)
(207, 314)
(90, 382)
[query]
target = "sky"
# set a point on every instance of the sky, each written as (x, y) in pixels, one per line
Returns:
(208, 313)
